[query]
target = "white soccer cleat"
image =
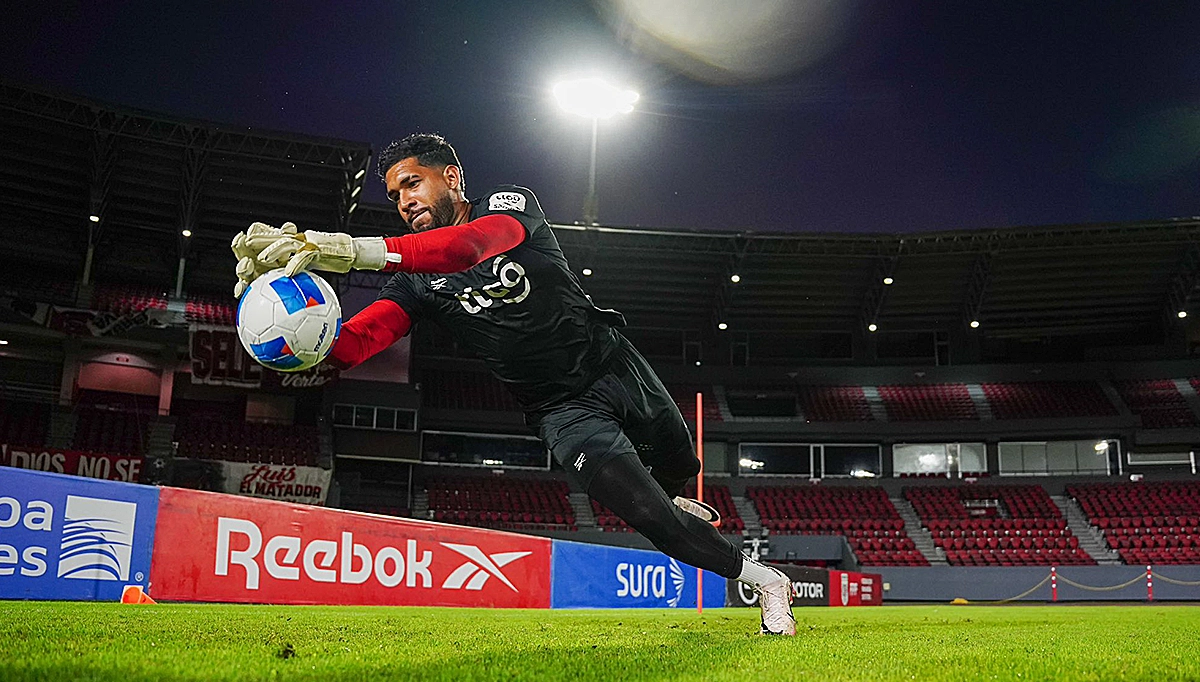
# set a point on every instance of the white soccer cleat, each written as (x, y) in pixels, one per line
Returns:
(775, 600)
(698, 509)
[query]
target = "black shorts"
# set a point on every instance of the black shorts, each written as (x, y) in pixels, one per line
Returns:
(626, 410)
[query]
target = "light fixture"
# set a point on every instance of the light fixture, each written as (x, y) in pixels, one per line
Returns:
(493, 462)
(361, 172)
(186, 233)
(872, 327)
(1182, 314)
(94, 218)
(888, 280)
(352, 207)
(974, 324)
(722, 326)
(752, 464)
(594, 98)
(735, 278)
(1102, 446)
(697, 363)
(3, 342)
(587, 272)
(354, 192)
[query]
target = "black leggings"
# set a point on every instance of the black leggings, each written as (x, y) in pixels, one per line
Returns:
(623, 485)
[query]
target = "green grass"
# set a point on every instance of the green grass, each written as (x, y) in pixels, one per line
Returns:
(69, 641)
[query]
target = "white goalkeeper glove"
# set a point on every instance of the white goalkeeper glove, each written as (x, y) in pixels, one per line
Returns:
(262, 248)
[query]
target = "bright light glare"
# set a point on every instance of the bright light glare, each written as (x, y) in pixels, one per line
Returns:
(587, 272)
(722, 326)
(594, 98)
(974, 324)
(751, 463)
(94, 218)
(186, 233)
(872, 327)
(735, 278)
(862, 473)
(1102, 446)
(1182, 314)
(888, 280)
(493, 462)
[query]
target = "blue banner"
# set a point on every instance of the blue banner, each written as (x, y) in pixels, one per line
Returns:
(69, 537)
(588, 576)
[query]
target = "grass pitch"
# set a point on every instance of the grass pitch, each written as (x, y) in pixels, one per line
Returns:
(77, 641)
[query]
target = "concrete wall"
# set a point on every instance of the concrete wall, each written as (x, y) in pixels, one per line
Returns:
(945, 583)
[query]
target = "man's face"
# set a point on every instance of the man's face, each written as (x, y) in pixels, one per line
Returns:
(423, 195)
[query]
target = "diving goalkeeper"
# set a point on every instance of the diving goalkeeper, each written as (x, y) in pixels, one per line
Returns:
(490, 270)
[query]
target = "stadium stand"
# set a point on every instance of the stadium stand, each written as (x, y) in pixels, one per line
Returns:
(1048, 400)
(222, 439)
(1145, 522)
(512, 504)
(865, 516)
(24, 423)
(111, 431)
(1017, 525)
(210, 310)
(121, 299)
(1158, 402)
(835, 404)
(465, 390)
(934, 402)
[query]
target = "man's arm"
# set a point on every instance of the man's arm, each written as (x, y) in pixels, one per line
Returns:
(454, 248)
(376, 327)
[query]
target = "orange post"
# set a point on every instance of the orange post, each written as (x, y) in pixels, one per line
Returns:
(700, 489)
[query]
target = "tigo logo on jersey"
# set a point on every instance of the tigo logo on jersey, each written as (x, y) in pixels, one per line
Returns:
(97, 539)
(479, 568)
(507, 201)
(67, 537)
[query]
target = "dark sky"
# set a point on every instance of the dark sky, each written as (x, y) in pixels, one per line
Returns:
(914, 115)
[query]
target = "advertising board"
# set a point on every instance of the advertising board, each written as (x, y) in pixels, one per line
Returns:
(599, 576)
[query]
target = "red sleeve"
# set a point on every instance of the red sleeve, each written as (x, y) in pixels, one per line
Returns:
(376, 327)
(455, 248)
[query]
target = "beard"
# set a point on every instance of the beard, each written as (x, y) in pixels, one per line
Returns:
(441, 214)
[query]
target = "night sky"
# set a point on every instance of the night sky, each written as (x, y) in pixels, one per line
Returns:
(899, 117)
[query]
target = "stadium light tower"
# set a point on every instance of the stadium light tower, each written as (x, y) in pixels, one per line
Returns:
(593, 98)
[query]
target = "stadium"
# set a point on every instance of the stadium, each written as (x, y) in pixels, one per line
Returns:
(982, 440)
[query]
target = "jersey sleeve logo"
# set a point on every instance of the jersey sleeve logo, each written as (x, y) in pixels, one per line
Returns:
(507, 201)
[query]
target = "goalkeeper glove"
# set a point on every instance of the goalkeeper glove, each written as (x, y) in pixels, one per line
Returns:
(263, 248)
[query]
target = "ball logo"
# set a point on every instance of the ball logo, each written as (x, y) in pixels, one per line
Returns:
(507, 201)
(97, 539)
(476, 572)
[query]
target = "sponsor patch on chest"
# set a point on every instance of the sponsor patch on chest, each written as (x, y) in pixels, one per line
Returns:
(507, 201)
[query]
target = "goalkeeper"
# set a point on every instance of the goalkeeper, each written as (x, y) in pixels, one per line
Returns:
(490, 270)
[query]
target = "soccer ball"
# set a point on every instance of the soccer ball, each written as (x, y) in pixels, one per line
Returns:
(289, 323)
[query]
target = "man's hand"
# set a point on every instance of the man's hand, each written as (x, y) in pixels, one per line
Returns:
(263, 248)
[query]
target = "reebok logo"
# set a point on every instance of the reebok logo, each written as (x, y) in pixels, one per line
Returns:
(438, 284)
(480, 567)
(97, 539)
(579, 462)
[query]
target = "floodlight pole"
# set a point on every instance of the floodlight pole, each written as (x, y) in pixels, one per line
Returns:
(591, 205)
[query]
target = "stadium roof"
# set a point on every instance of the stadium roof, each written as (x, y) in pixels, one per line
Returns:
(149, 177)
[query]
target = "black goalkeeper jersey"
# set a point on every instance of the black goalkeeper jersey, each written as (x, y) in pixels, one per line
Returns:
(523, 312)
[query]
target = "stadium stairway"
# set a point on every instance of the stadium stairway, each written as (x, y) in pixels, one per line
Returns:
(749, 514)
(1188, 391)
(420, 509)
(920, 536)
(62, 429)
(161, 437)
(582, 506)
(1090, 539)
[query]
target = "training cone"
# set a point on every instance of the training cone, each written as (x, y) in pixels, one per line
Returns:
(134, 594)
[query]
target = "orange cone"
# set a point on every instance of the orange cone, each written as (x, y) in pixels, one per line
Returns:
(134, 594)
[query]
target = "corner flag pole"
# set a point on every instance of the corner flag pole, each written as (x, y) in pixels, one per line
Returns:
(700, 489)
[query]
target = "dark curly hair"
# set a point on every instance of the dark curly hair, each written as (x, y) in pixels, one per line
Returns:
(429, 149)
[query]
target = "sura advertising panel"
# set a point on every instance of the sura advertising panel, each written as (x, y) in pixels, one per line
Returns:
(599, 576)
(214, 547)
(72, 538)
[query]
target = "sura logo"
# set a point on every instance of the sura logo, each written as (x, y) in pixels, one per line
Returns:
(650, 580)
(480, 567)
(512, 286)
(97, 539)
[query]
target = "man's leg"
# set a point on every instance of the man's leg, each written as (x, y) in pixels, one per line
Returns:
(623, 485)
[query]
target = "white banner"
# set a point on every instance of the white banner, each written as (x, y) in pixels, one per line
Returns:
(288, 483)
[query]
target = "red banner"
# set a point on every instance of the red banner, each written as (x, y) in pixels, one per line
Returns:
(847, 588)
(215, 547)
(90, 464)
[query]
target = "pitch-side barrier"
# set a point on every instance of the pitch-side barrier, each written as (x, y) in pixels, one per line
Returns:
(71, 538)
